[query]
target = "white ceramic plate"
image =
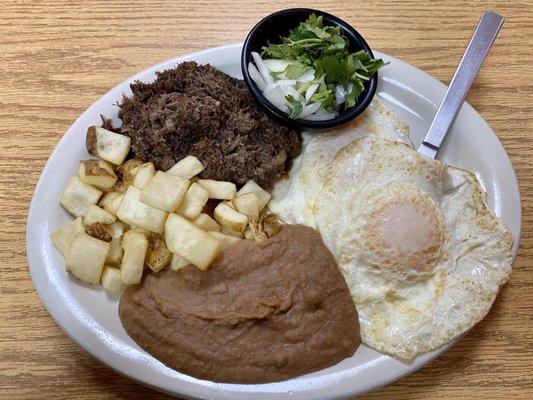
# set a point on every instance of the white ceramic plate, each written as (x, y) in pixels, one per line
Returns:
(89, 316)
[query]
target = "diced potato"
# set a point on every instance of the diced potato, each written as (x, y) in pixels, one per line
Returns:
(134, 212)
(178, 262)
(134, 245)
(111, 280)
(262, 195)
(96, 214)
(116, 230)
(247, 204)
(97, 173)
(187, 168)
(98, 231)
(206, 223)
(143, 174)
(119, 186)
(229, 218)
(229, 203)
(249, 233)
(157, 254)
(230, 232)
(125, 170)
(78, 196)
(85, 258)
(107, 145)
(226, 240)
(218, 189)
(165, 191)
(193, 202)
(110, 202)
(190, 242)
(63, 237)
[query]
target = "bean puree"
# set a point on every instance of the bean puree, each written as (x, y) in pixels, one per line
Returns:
(265, 311)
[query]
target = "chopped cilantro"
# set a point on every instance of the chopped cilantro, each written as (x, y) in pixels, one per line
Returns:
(325, 49)
(295, 105)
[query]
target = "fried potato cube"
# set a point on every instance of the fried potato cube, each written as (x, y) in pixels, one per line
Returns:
(230, 204)
(143, 174)
(218, 189)
(110, 202)
(134, 212)
(226, 240)
(96, 214)
(85, 258)
(262, 195)
(116, 230)
(165, 191)
(178, 262)
(205, 222)
(107, 145)
(229, 218)
(193, 202)
(230, 232)
(98, 231)
(97, 173)
(119, 186)
(157, 254)
(187, 168)
(111, 280)
(78, 196)
(63, 237)
(125, 170)
(134, 244)
(184, 238)
(247, 204)
(249, 233)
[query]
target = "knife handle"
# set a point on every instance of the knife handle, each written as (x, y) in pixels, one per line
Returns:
(475, 54)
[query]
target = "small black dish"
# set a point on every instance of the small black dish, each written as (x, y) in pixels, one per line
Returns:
(276, 25)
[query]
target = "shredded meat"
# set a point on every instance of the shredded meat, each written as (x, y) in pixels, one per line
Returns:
(197, 110)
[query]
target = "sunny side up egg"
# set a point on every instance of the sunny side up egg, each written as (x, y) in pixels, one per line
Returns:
(293, 198)
(421, 251)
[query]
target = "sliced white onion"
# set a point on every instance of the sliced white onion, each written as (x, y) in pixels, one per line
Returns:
(269, 87)
(263, 70)
(311, 91)
(286, 82)
(307, 76)
(310, 109)
(277, 98)
(291, 91)
(276, 65)
(349, 88)
(321, 116)
(340, 94)
(256, 76)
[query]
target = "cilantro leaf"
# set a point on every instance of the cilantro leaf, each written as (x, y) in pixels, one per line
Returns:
(296, 107)
(325, 49)
(335, 70)
(294, 70)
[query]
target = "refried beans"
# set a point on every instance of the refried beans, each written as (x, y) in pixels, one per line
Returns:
(265, 311)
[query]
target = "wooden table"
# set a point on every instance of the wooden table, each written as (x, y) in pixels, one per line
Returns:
(57, 57)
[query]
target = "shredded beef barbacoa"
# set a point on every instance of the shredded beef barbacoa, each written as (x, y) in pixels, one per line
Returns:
(197, 110)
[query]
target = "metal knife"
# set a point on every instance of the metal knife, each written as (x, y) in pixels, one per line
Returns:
(475, 54)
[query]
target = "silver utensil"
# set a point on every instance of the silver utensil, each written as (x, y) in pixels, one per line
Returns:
(475, 54)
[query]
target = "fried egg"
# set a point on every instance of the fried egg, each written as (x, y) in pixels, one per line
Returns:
(421, 251)
(293, 197)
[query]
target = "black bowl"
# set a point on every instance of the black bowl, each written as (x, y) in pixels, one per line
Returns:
(276, 25)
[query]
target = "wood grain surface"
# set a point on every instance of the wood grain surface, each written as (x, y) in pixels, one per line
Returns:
(57, 57)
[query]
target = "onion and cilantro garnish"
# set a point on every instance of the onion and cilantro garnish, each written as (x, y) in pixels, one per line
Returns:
(311, 74)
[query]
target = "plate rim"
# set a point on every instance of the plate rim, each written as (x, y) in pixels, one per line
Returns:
(69, 323)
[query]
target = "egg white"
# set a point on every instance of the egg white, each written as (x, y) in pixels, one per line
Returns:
(422, 253)
(293, 197)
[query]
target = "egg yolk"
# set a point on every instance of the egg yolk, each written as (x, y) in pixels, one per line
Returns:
(405, 235)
